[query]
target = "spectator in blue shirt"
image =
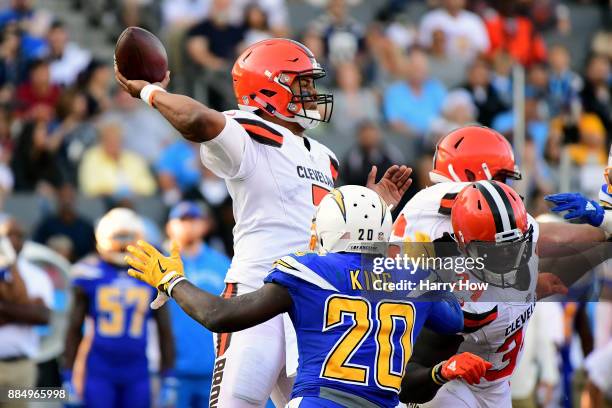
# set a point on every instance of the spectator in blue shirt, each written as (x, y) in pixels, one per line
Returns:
(411, 105)
(564, 85)
(178, 170)
(188, 224)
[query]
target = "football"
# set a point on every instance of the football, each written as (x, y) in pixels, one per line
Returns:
(139, 54)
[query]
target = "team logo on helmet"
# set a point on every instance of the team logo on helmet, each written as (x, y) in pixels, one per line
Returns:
(339, 199)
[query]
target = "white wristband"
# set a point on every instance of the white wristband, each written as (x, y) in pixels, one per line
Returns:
(146, 94)
(606, 224)
(173, 284)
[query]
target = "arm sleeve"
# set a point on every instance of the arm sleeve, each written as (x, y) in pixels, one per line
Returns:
(232, 154)
(445, 315)
(291, 283)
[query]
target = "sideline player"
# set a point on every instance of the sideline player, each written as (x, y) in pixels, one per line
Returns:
(353, 349)
(276, 176)
(488, 218)
(112, 368)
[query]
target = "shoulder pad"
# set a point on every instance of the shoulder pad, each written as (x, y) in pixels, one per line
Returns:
(257, 128)
(304, 267)
(88, 268)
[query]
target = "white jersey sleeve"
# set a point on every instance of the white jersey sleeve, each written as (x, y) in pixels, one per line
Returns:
(232, 154)
(426, 217)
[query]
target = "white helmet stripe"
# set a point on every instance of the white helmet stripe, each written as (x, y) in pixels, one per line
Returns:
(454, 175)
(499, 202)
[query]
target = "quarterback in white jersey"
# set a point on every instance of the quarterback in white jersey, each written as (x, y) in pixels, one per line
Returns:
(276, 177)
(275, 184)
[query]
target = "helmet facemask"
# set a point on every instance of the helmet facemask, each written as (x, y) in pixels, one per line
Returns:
(264, 78)
(323, 103)
(505, 260)
(114, 248)
(116, 230)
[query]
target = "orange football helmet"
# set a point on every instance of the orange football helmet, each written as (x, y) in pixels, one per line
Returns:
(263, 75)
(473, 153)
(490, 221)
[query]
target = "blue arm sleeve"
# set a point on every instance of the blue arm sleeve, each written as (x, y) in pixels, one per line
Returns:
(445, 315)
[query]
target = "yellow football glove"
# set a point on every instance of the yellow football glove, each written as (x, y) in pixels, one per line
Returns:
(150, 266)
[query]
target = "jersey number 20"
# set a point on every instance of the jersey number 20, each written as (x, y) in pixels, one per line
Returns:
(337, 366)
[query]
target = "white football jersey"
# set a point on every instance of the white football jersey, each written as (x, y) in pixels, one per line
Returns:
(493, 331)
(275, 179)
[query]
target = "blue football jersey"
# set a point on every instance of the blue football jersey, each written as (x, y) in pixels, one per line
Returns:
(352, 340)
(118, 305)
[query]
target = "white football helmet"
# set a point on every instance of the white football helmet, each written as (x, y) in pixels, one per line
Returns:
(117, 229)
(352, 219)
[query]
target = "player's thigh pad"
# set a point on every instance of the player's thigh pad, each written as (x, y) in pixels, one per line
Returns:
(248, 365)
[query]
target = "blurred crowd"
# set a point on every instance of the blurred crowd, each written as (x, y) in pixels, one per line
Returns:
(402, 79)
(403, 74)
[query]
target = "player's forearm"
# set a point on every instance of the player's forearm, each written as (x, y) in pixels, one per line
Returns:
(196, 122)
(571, 261)
(13, 290)
(418, 385)
(31, 313)
(18, 285)
(166, 341)
(216, 314)
(564, 233)
(234, 314)
(74, 336)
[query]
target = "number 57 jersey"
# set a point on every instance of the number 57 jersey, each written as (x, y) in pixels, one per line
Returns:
(353, 348)
(118, 306)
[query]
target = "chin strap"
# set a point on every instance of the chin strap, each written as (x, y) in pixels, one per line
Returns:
(308, 119)
(305, 122)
